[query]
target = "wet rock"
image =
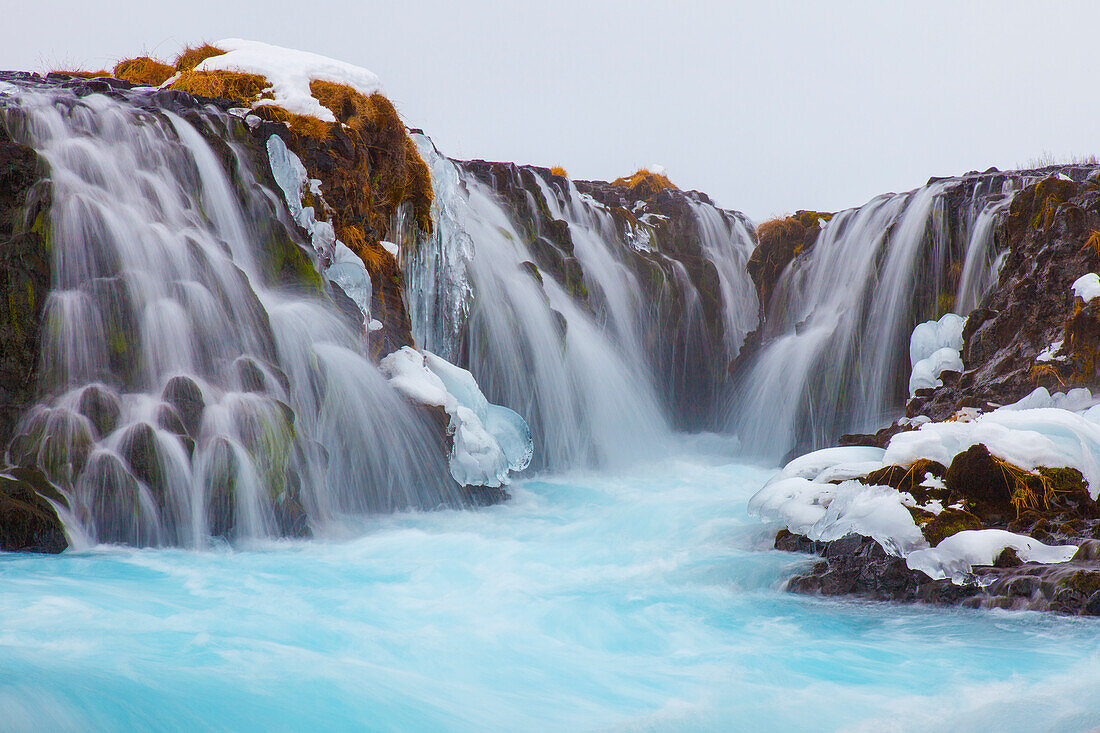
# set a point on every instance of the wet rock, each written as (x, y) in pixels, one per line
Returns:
(25, 274)
(1092, 605)
(186, 397)
(140, 450)
(28, 522)
(1088, 551)
(250, 375)
(100, 406)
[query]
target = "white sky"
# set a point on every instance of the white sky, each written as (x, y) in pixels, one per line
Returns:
(767, 106)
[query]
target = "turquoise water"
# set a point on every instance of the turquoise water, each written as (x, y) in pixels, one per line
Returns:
(643, 600)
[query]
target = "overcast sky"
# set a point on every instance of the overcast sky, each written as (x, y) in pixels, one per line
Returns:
(767, 106)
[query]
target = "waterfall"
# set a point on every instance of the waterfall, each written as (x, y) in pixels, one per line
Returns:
(834, 356)
(197, 379)
(476, 297)
(613, 343)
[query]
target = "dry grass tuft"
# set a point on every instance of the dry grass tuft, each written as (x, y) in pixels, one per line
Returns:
(82, 74)
(559, 171)
(300, 125)
(235, 85)
(1030, 491)
(1047, 373)
(143, 71)
(1093, 243)
(644, 183)
(192, 56)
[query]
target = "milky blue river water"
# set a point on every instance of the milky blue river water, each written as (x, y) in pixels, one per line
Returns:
(640, 600)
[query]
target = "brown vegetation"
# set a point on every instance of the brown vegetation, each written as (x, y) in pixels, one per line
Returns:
(644, 184)
(557, 170)
(235, 85)
(192, 56)
(143, 71)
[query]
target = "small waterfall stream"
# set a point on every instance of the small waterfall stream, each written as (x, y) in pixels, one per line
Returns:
(834, 358)
(188, 388)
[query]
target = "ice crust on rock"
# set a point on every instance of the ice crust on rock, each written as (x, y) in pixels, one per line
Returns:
(954, 556)
(934, 347)
(290, 71)
(488, 441)
(345, 268)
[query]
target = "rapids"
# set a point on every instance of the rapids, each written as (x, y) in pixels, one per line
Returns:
(640, 600)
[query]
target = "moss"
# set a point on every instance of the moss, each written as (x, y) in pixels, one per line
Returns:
(947, 523)
(233, 85)
(144, 71)
(192, 56)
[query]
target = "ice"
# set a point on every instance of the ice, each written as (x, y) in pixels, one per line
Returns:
(812, 465)
(390, 247)
(488, 441)
(290, 72)
(954, 556)
(348, 271)
(1087, 287)
(934, 347)
(290, 174)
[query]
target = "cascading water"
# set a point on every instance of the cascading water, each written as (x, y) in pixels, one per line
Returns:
(834, 354)
(584, 359)
(530, 346)
(189, 387)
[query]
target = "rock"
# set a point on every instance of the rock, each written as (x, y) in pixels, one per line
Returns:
(1067, 600)
(184, 394)
(28, 522)
(1092, 605)
(100, 406)
(1008, 559)
(1087, 551)
(250, 375)
(976, 476)
(947, 523)
(139, 448)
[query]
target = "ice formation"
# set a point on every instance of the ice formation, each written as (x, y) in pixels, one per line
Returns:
(489, 441)
(954, 556)
(290, 72)
(934, 348)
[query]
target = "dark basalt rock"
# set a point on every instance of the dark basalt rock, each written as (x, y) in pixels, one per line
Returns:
(100, 406)
(24, 277)
(858, 566)
(185, 396)
(29, 523)
(975, 475)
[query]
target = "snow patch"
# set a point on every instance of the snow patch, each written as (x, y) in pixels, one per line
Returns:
(1087, 287)
(289, 72)
(1048, 354)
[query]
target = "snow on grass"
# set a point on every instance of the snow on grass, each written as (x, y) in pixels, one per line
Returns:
(1087, 287)
(954, 556)
(289, 72)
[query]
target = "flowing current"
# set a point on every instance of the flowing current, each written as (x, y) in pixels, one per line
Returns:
(186, 390)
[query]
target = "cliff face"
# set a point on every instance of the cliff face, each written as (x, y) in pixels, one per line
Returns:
(1048, 240)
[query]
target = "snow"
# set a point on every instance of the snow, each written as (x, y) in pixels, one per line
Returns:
(488, 441)
(1031, 438)
(934, 348)
(390, 247)
(953, 557)
(1087, 287)
(289, 72)
(1074, 400)
(1048, 354)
